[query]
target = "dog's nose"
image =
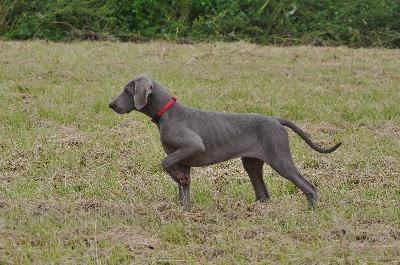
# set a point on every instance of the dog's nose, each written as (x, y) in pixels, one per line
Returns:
(111, 105)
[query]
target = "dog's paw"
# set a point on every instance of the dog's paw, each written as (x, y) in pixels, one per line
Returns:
(184, 179)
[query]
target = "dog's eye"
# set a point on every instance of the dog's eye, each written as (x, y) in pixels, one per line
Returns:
(126, 91)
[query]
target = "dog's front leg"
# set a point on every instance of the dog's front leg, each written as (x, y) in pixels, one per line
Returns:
(183, 179)
(181, 173)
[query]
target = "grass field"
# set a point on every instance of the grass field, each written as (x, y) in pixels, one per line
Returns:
(83, 185)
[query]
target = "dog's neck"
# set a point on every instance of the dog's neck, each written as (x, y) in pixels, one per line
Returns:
(156, 100)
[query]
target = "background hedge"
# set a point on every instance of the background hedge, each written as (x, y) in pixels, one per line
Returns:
(359, 23)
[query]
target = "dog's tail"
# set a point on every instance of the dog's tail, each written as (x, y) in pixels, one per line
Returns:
(303, 135)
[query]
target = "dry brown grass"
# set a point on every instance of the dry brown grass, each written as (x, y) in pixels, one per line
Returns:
(82, 185)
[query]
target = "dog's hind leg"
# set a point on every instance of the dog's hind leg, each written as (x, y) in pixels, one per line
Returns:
(254, 168)
(279, 157)
(287, 169)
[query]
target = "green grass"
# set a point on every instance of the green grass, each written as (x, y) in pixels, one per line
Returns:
(83, 185)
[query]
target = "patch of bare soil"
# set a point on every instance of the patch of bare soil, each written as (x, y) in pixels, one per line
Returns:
(133, 238)
(128, 127)
(68, 136)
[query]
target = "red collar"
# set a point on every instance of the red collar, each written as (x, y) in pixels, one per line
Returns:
(163, 109)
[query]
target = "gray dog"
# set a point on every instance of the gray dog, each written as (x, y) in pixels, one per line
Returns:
(195, 138)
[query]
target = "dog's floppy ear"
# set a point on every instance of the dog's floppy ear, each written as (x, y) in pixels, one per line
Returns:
(143, 86)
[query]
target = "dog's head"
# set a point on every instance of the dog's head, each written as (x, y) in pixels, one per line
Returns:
(134, 96)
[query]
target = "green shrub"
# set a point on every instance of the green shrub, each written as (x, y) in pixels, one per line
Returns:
(352, 23)
(55, 19)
